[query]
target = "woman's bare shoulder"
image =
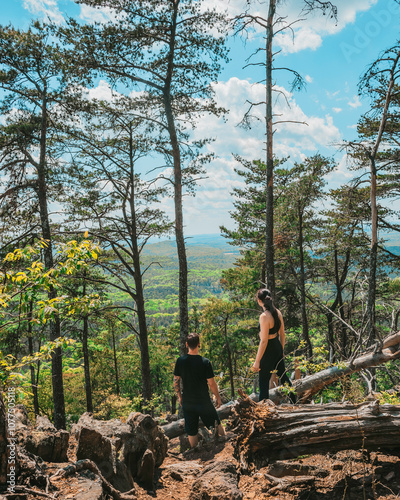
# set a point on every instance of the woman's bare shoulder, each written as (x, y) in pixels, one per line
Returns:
(265, 316)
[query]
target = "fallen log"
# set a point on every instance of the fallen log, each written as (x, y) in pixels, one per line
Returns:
(177, 428)
(310, 385)
(267, 432)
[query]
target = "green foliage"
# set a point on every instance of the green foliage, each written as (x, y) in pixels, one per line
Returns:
(390, 398)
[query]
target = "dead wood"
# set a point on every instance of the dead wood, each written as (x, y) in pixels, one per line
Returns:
(287, 484)
(30, 491)
(267, 432)
(81, 465)
(310, 385)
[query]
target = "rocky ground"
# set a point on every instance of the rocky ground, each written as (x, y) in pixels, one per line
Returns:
(344, 475)
(209, 472)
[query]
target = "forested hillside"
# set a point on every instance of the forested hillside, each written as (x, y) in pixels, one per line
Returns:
(208, 256)
(105, 149)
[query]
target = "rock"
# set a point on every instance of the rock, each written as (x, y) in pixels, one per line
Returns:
(49, 447)
(21, 417)
(217, 481)
(122, 480)
(43, 440)
(86, 486)
(124, 452)
(43, 424)
(183, 469)
(88, 489)
(146, 469)
(282, 469)
(98, 448)
(148, 435)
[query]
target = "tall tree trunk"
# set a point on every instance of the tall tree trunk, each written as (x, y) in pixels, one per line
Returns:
(85, 350)
(269, 235)
(117, 389)
(374, 210)
(31, 366)
(304, 317)
(139, 295)
(373, 253)
(86, 365)
(343, 338)
(331, 337)
(230, 366)
(55, 328)
(176, 154)
(143, 339)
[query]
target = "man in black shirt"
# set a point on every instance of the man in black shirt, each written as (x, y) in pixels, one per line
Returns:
(197, 376)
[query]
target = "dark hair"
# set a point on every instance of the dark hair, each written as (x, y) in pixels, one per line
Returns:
(266, 298)
(193, 340)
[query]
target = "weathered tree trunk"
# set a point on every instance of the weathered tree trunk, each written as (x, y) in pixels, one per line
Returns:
(308, 386)
(138, 278)
(269, 234)
(304, 318)
(176, 156)
(86, 364)
(85, 351)
(143, 336)
(55, 328)
(338, 284)
(267, 432)
(31, 366)
(373, 254)
(374, 208)
(229, 354)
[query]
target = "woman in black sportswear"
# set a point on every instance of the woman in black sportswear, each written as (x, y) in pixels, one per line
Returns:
(272, 341)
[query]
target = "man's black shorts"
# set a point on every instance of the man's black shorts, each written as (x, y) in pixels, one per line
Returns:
(192, 412)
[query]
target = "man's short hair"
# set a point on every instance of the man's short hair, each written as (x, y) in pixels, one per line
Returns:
(193, 340)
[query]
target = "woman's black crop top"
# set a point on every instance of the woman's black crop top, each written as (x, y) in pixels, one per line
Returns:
(273, 330)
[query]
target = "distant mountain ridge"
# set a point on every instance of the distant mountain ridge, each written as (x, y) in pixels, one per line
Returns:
(196, 245)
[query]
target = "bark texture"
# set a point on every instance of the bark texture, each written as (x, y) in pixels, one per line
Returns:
(266, 432)
(308, 386)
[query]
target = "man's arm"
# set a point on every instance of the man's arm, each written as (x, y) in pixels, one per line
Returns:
(177, 387)
(214, 389)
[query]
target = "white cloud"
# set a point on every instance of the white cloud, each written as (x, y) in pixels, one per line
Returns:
(210, 208)
(45, 8)
(332, 95)
(102, 92)
(307, 34)
(337, 110)
(343, 171)
(308, 79)
(304, 38)
(92, 15)
(355, 102)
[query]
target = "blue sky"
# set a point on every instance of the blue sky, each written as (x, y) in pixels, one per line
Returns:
(330, 56)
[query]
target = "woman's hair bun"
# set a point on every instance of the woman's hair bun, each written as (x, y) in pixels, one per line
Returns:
(264, 294)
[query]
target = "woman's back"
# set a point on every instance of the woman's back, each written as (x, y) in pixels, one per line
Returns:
(273, 325)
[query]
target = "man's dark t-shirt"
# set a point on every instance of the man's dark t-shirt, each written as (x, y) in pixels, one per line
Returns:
(194, 371)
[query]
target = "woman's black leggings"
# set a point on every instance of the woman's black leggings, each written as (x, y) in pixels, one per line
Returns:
(272, 360)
